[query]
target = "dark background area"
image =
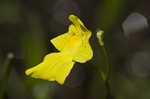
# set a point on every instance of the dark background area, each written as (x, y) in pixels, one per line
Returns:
(26, 27)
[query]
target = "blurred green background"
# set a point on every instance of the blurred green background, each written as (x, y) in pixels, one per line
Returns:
(26, 27)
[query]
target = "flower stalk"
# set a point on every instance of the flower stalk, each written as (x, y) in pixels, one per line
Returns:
(105, 76)
(5, 74)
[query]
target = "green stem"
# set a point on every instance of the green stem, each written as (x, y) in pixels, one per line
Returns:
(107, 63)
(108, 93)
(107, 75)
(7, 68)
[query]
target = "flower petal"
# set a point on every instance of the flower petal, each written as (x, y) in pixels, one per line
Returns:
(84, 53)
(60, 41)
(78, 24)
(55, 67)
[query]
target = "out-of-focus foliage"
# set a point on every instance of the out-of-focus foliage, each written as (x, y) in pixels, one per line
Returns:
(26, 26)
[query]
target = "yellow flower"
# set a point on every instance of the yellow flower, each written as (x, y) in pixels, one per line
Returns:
(73, 46)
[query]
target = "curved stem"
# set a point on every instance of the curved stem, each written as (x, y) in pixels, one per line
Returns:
(4, 78)
(107, 75)
(107, 63)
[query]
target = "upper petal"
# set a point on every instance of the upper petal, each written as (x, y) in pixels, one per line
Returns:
(78, 24)
(75, 29)
(60, 41)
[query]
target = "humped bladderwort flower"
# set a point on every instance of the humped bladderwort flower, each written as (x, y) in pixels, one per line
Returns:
(73, 47)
